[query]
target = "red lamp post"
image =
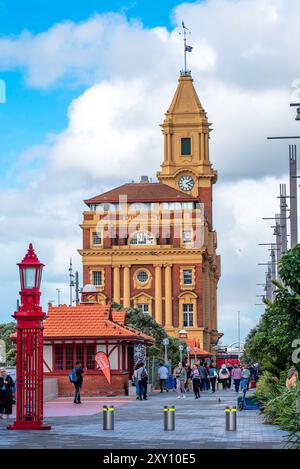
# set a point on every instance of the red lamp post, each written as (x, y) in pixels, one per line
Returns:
(29, 405)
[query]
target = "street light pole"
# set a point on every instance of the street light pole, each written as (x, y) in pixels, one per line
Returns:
(195, 351)
(239, 331)
(180, 350)
(166, 343)
(188, 349)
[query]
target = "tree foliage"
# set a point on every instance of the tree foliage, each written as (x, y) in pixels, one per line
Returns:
(145, 323)
(270, 342)
(5, 331)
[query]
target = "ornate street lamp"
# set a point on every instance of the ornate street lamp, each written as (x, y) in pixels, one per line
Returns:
(29, 403)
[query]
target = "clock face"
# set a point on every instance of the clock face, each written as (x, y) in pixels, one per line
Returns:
(186, 183)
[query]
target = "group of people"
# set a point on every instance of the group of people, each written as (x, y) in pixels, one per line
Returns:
(203, 376)
(7, 394)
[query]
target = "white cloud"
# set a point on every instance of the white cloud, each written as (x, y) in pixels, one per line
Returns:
(243, 70)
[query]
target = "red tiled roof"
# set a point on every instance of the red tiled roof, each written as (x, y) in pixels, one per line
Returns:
(88, 320)
(141, 192)
(119, 316)
(195, 343)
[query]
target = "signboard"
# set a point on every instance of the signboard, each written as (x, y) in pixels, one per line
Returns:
(102, 361)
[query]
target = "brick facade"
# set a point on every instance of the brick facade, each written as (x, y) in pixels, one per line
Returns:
(94, 384)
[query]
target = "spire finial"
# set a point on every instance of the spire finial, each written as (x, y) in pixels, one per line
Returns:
(185, 32)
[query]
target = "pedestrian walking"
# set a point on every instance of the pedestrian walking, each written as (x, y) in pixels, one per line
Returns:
(229, 368)
(203, 376)
(163, 375)
(236, 375)
(223, 376)
(181, 376)
(195, 376)
(77, 379)
(246, 374)
(142, 377)
(213, 376)
(6, 394)
(189, 378)
(207, 377)
(135, 379)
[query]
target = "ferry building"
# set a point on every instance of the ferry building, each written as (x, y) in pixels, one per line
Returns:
(151, 245)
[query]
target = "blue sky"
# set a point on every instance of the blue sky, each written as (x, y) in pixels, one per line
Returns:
(71, 69)
(47, 108)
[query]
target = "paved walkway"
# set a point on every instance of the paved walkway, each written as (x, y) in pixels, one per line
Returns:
(139, 424)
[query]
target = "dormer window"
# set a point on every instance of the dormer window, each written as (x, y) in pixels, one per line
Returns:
(186, 146)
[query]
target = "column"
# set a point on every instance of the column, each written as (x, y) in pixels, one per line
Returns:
(126, 286)
(168, 296)
(158, 295)
(206, 147)
(116, 284)
(202, 147)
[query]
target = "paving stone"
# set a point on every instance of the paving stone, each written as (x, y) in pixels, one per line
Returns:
(199, 424)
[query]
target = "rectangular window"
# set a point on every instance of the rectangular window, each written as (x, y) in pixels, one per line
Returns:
(188, 277)
(90, 357)
(187, 236)
(66, 356)
(69, 357)
(59, 357)
(186, 146)
(97, 278)
(188, 315)
(96, 238)
(144, 308)
(80, 354)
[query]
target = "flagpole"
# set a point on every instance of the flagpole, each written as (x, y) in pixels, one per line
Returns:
(184, 42)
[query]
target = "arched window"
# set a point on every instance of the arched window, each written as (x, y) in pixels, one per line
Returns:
(142, 238)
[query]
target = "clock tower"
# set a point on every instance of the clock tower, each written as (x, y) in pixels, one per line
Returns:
(186, 166)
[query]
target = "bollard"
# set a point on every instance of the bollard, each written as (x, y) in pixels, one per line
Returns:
(108, 417)
(227, 418)
(169, 418)
(232, 420)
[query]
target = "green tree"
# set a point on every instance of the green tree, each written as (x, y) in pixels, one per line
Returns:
(5, 332)
(270, 342)
(146, 324)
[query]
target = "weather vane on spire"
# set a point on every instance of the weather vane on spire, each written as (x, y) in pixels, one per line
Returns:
(185, 32)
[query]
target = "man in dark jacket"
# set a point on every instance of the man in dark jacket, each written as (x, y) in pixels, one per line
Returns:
(6, 394)
(203, 376)
(78, 383)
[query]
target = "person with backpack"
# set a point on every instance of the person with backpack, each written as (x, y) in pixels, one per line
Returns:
(229, 368)
(223, 376)
(180, 376)
(246, 374)
(142, 377)
(213, 376)
(77, 379)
